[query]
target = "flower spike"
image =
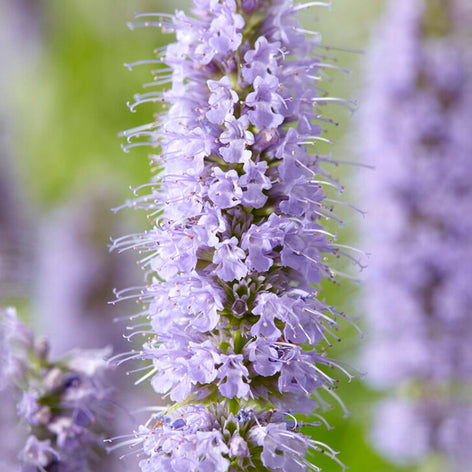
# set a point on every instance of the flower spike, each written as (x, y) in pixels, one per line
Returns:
(235, 335)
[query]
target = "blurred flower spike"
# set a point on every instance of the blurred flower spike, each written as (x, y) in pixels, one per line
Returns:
(65, 404)
(417, 132)
(236, 335)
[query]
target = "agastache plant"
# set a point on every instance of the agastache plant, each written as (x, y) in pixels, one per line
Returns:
(236, 333)
(417, 127)
(65, 404)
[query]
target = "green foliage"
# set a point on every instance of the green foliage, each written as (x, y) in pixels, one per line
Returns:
(72, 102)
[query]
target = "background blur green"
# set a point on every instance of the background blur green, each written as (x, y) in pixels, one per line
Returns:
(67, 104)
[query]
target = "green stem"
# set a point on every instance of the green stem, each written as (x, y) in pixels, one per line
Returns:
(234, 406)
(238, 342)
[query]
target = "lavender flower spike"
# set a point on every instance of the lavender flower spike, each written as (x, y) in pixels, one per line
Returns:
(235, 333)
(417, 127)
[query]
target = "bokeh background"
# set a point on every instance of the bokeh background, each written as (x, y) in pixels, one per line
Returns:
(63, 94)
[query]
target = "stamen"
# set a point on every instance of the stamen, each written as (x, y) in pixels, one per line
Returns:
(302, 6)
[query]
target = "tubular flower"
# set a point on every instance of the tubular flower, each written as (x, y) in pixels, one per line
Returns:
(64, 403)
(194, 437)
(230, 315)
(417, 120)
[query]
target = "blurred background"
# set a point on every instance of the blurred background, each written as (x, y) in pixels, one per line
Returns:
(63, 94)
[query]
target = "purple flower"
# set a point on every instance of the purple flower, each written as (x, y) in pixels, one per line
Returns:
(236, 139)
(210, 224)
(418, 201)
(233, 371)
(186, 301)
(238, 447)
(228, 259)
(265, 103)
(28, 406)
(37, 454)
(225, 190)
(253, 182)
(237, 240)
(301, 323)
(222, 34)
(188, 439)
(304, 254)
(260, 240)
(281, 449)
(181, 364)
(263, 356)
(222, 99)
(179, 246)
(266, 326)
(16, 339)
(193, 437)
(65, 402)
(260, 61)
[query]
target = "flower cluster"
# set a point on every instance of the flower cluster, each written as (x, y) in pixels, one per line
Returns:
(64, 403)
(194, 437)
(416, 123)
(230, 314)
